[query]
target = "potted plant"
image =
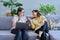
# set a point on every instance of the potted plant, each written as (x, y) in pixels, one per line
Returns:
(13, 5)
(47, 9)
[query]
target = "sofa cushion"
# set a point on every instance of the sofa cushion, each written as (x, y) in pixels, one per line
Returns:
(5, 23)
(54, 34)
(6, 35)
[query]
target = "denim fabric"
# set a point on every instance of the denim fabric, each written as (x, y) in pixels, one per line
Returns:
(43, 36)
(18, 35)
(25, 35)
(45, 30)
(21, 35)
(45, 27)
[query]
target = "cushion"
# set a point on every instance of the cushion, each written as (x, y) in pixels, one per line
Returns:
(54, 34)
(6, 35)
(5, 23)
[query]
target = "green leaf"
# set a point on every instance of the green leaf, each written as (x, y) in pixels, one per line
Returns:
(11, 4)
(18, 4)
(5, 4)
(47, 9)
(14, 11)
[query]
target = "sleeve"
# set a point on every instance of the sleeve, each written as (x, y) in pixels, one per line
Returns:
(15, 19)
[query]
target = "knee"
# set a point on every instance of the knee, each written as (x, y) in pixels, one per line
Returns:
(25, 33)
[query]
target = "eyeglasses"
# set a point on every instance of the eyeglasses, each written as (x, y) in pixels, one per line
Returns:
(22, 12)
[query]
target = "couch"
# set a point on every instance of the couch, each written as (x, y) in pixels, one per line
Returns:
(5, 32)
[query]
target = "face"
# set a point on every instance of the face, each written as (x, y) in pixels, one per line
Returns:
(34, 14)
(21, 13)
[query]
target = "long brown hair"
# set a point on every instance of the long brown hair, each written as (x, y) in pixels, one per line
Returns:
(38, 13)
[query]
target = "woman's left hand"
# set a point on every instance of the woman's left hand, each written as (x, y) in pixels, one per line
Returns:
(30, 19)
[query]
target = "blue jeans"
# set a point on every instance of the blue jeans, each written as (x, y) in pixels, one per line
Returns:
(21, 35)
(45, 30)
(24, 35)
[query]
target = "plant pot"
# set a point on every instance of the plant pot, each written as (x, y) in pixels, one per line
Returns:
(9, 14)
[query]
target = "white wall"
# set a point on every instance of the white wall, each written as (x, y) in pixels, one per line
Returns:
(29, 5)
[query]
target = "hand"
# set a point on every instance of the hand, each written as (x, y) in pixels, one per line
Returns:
(29, 24)
(30, 19)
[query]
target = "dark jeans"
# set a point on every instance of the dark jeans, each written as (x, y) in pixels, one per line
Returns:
(21, 35)
(43, 36)
(45, 30)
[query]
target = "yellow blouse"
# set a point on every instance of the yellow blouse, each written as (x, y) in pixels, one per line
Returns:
(37, 21)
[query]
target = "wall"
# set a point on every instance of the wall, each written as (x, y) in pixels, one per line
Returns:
(29, 5)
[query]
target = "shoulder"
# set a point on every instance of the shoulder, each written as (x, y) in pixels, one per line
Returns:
(43, 17)
(15, 18)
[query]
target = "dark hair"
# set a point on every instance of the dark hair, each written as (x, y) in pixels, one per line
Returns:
(38, 13)
(19, 10)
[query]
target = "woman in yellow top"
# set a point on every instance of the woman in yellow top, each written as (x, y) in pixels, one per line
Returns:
(37, 24)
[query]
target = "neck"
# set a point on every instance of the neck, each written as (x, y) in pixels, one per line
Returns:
(20, 16)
